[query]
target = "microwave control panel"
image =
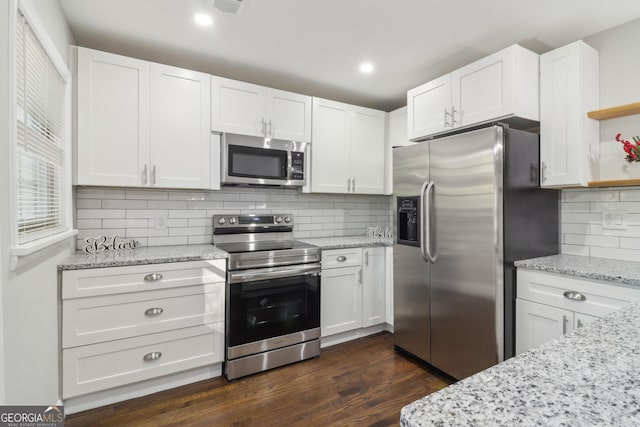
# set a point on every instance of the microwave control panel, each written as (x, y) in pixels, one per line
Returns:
(297, 165)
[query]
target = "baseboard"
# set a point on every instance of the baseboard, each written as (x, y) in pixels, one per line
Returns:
(351, 335)
(143, 388)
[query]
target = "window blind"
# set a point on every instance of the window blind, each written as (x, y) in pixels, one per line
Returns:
(40, 133)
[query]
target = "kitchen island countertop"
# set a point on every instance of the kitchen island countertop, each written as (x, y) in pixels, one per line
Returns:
(590, 377)
(610, 270)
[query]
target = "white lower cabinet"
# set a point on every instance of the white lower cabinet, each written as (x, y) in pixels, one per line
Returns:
(353, 289)
(550, 305)
(123, 325)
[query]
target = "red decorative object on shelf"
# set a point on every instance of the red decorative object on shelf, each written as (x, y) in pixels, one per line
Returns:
(632, 149)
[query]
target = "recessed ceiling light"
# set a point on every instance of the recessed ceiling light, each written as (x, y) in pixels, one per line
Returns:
(203, 19)
(366, 67)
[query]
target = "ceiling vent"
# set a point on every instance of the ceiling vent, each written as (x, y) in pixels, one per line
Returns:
(230, 7)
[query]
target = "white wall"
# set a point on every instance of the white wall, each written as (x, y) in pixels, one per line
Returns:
(581, 212)
(28, 294)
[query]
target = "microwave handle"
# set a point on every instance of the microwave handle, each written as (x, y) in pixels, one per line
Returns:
(289, 167)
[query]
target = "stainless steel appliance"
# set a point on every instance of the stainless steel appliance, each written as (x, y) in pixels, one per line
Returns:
(467, 206)
(251, 160)
(272, 293)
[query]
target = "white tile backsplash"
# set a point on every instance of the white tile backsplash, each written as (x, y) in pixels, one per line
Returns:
(581, 217)
(187, 215)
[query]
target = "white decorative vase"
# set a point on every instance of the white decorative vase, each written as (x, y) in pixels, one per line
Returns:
(633, 170)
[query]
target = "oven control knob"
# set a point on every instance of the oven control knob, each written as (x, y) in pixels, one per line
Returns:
(278, 219)
(232, 220)
(287, 219)
(221, 221)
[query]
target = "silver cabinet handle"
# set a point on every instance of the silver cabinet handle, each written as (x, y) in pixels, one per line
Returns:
(348, 185)
(544, 172)
(366, 258)
(153, 311)
(360, 276)
(446, 114)
(154, 355)
(564, 324)
(153, 175)
(453, 116)
(575, 296)
(341, 258)
(270, 128)
(144, 175)
(580, 324)
(263, 127)
(153, 277)
(353, 184)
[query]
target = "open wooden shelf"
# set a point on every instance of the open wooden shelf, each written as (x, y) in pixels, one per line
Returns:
(614, 183)
(613, 112)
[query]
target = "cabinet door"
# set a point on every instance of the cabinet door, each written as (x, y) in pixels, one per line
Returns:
(341, 300)
(539, 323)
(429, 108)
(330, 148)
(289, 115)
(179, 153)
(373, 286)
(112, 119)
(237, 107)
(367, 151)
(484, 90)
(580, 320)
(569, 143)
(397, 129)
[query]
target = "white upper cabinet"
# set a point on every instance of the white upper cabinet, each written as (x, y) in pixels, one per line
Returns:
(348, 149)
(179, 152)
(248, 109)
(502, 85)
(569, 140)
(141, 124)
(397, 128)
(112, 144)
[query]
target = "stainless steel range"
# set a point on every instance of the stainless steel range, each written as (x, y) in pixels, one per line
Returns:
(273, 293)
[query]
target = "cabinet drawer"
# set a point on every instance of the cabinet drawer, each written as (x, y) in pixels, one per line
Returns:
(102, 366)
(335, 258)
(107, 318)
(116, 280)
(600, 298)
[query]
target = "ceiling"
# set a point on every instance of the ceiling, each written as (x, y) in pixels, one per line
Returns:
(315, 46)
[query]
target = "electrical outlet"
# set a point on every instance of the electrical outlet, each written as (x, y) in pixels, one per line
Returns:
(614, 219)
(160, 221)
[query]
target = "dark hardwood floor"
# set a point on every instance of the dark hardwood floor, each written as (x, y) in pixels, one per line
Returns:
(359, 383)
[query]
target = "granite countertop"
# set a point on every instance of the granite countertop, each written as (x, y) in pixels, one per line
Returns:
(589, 378)
(144, 255)
(611, 270)
(348, 242)
(180, 253)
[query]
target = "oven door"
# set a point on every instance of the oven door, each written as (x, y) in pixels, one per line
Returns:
(272, 307)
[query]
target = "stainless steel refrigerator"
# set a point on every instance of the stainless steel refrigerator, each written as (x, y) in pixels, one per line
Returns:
(466, 207)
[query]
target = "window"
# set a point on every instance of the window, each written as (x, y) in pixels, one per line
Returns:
(42, 192)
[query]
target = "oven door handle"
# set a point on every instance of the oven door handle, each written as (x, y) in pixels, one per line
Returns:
(273, 273)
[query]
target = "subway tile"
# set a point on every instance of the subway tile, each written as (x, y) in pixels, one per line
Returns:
(147, 194)
(308, 227)
(89, 232)
(100, 213)
(301, 234)
(630, 195)
(89, 223)
(145, 213)
(125, 223)
(575, 228)
(629, 230)
(124, 204)
(239, 205)
(187, 231)
(100, 193)
(187, 195)
(167, 241)
(200, 240)
(185, 213)
(616, 253)
(88, 204)
(199, 222)
(629, 243)
(574, 250)
(167, 204)
(581, 218)
(592, 240)
(575, 207)
(205, 204)
(590, 196)
(321, 219)
(146, 232)
(255, 197)
(178, 222)
(220, 196)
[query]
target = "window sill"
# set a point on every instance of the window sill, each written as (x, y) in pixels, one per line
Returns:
(29, 248)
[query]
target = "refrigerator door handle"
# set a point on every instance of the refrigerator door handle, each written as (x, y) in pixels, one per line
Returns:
(421, 210)
(427, 224)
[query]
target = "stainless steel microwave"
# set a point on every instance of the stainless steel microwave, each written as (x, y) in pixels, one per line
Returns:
(251, 160)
